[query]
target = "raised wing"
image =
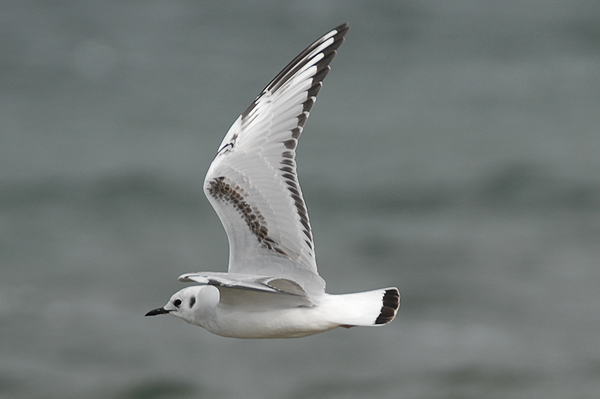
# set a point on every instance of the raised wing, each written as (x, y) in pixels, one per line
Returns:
(252, 182)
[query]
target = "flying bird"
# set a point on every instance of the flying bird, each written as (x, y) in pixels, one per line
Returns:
(272, 288)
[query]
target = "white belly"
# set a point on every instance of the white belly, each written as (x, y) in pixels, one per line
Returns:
(282, 323)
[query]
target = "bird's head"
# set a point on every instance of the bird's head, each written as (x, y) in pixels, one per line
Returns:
(189, 303)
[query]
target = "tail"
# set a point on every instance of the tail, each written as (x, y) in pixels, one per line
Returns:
(371, 308)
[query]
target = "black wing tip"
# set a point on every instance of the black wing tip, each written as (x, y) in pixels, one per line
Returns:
(322, 65)
(391, 303)
(338, 38)
(329, 52)
(342, 29)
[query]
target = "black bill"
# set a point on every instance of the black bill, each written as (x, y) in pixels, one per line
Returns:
(157, 312)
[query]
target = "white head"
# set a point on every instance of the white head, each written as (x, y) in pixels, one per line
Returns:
(190, 303)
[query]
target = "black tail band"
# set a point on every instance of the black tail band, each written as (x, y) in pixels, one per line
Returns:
(391, 303)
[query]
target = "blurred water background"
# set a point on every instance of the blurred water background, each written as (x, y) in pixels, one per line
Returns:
(454, 152)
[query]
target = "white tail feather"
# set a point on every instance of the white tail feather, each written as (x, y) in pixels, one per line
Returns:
(369, 308)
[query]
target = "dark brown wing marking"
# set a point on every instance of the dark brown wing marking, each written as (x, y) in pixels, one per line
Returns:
(235, 196)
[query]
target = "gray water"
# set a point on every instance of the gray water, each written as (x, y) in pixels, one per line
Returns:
(453, 152)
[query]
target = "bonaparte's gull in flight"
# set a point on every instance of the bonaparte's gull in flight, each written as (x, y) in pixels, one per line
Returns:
(272, 288)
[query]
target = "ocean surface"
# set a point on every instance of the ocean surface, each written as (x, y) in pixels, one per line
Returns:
(454, 152)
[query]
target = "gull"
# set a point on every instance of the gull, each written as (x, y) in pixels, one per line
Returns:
(272, 288)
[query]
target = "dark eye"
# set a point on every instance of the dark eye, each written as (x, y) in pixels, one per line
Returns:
(177, 302)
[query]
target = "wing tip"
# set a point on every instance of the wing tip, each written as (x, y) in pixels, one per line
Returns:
(185, 278)
(341, 29)
(329, 52)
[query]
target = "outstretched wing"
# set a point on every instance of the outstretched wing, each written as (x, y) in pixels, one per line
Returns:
(252, 182)
(244, 290)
